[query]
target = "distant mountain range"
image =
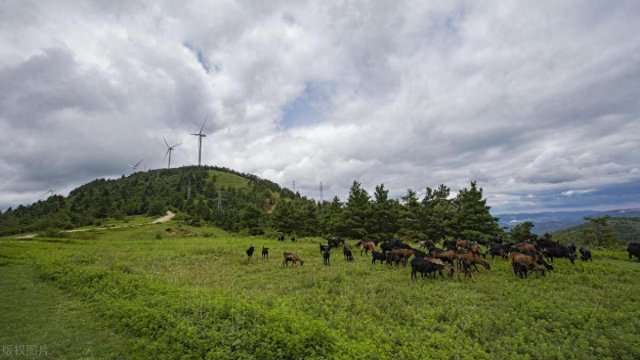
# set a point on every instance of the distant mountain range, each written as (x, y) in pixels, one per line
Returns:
(554, 221)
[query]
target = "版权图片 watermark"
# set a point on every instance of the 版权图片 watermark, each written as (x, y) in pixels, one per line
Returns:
(14, 351)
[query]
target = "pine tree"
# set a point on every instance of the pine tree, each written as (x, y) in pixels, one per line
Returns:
(331, 218)
(522, 232)
(357, 212)
(410, 215)
(384, 215)
(438, 213)
(472, 219)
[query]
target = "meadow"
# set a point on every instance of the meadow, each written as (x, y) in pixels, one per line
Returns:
(171, 291)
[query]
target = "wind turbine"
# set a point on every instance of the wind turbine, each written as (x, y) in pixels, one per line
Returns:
(51, 191)
(135, 167)
(169, 150)
(200, 135)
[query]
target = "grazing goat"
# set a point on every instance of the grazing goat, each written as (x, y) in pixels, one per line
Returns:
(334, 242)
(521, 268)
(531, 260)
(250, 251)
(325, 257)
(403, 254)
(377, 256)
(347, 254)
(291, 257)
(466, 268)
(280, 237)
(560, 251)
(293, 239)
(366, 246)
(472, 260)
(634, 250)
(585, 254)
(265, 252)
(426, 266)
(444, 255)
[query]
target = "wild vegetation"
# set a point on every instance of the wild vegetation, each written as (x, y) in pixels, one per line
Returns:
(603, 231)
(244, 203)
(177, 291)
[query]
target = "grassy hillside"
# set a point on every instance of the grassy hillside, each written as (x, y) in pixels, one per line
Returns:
(625, 229)
(225, 179)
(192, 191)
(174, 291)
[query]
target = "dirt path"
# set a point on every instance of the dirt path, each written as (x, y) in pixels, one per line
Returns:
(165, 218)
(160, 220)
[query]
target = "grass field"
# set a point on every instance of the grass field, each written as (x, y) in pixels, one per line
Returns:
(228, 180)
(145, 292)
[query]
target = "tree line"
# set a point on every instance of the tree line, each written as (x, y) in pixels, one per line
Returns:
(260, 207)
(263, 207)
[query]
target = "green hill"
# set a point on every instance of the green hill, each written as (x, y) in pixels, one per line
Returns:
(226, 198)
(246, 204)
(623, 230)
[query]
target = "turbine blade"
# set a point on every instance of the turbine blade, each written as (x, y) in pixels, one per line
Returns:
(165, 141)
(205, 120)
(167, 153)
(138, 163)
(175, 146)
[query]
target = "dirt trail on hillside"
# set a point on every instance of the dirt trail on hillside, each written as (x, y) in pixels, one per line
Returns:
(165, 218)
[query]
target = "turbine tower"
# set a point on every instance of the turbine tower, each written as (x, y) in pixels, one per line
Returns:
(200, 135)
(169, 150)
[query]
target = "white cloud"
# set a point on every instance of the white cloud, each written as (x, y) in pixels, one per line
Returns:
(526, 98)
(577, 192)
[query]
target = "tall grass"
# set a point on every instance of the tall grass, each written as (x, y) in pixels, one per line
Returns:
(202, 298)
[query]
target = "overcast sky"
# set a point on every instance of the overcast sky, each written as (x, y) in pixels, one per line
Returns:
(539, 101)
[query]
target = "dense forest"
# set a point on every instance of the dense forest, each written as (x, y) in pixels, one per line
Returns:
(245, 203)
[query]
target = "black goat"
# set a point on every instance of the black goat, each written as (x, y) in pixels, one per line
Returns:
(265, 252)
(347, 254)
(325, 256)
(377, 256)
(585, 254)
(250, 251)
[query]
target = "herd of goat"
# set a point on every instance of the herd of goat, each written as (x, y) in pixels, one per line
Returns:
(465, 256)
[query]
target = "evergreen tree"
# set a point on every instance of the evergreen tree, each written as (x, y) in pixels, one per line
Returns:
(331, 218)
(472, 219)
(410, 216)
(522, 232)
(384, 215)
(438, 213)
(357, 212)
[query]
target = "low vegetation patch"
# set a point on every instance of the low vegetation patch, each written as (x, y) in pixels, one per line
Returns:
(201, 297)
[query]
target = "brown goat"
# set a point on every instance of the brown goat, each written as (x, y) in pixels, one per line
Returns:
(464, 244)
(366, 246)
(403, 254)
(291, 257)
(444, 255)
(472, 259)
(525, 246)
